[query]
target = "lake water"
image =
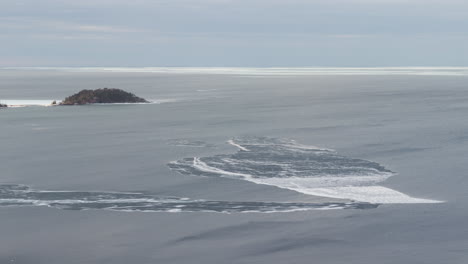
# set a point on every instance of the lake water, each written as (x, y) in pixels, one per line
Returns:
(236, 166)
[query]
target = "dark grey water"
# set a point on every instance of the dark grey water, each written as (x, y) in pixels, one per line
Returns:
(235, 144)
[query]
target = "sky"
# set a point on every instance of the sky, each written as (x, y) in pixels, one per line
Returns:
(233, 33)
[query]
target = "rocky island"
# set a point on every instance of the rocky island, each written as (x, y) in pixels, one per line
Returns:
(102, 96)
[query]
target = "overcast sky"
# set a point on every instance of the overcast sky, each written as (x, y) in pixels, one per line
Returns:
(255, 33)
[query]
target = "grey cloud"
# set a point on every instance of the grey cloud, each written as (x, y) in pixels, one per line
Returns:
(254, 32)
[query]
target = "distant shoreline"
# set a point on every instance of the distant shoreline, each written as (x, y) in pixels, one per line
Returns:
(267, 71)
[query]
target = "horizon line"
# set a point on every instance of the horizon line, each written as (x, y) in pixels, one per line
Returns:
(254, 67)
(262, 71)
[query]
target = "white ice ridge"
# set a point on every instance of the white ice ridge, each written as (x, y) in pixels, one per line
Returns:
(305, 169)
(200, 165)
(22, 103)
(370, 194)
(277, 71)
(237, 145)
(322, 186)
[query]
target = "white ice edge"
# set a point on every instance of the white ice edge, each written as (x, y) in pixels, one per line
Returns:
(34, 102)
(27, 102)
(294, 71)
(176, 209)
(311, 186)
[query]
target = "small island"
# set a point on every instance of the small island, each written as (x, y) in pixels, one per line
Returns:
(102, 96)
(3, 105)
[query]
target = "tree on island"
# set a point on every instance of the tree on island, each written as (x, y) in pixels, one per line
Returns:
(102, 96)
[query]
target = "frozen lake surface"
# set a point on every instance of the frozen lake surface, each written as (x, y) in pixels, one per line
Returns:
(240, 166)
